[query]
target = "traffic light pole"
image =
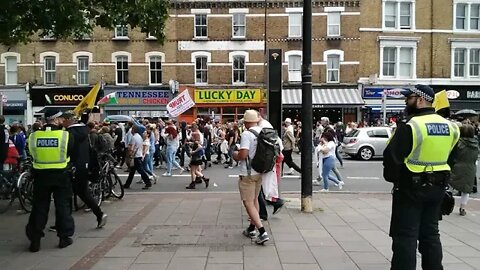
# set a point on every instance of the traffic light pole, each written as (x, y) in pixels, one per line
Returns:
(307, 124)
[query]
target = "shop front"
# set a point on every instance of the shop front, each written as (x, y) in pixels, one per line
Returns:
(14, 110)
(338, 104)
(144, 102)
(461, 96)
(374, 103)
(61, 98)
(226, 105)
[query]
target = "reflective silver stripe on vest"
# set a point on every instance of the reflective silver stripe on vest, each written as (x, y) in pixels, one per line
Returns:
(416, 152)
(455, 135)
(33, 146)
(427, 164)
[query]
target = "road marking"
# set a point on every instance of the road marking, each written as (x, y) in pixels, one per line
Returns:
(363, 178)
(285, 176)
(174, 175)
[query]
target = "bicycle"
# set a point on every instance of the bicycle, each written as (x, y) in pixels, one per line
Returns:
(109, 180)
(13, 185)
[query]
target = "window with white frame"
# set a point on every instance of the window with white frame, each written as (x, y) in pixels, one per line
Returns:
(398, 14)
(82, 70)
(11, 70)
(398, 57)
(155, 69)
(122, 69)
(466, 62)
(333, 68)
(201, 69)
(238, 69)
(121, 32)
(333, 22)
(201, 26)
(467, 16)
(238, 25)
(295, 24)
(295, 68)
(50, 69)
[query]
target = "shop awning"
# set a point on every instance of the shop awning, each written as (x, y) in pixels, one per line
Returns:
(60, 108)
(460, 105)
(322, 97)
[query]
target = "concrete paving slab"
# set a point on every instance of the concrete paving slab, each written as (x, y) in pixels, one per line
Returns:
(224, 266)
(147, 266)
(113, 264)
(225, 257)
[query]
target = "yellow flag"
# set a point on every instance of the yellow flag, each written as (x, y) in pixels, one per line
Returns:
(441, 101)
(88, 101)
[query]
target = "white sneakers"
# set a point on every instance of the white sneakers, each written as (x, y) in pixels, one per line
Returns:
(324, 190)
(316, 183)
(340, 185)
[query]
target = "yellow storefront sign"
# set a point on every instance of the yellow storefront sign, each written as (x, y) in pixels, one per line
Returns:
(228, 96)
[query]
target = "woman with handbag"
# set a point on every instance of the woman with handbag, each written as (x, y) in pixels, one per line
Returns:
(464, 168)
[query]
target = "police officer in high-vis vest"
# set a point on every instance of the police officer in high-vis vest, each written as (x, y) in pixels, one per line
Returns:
(50, 149)
(415, 160)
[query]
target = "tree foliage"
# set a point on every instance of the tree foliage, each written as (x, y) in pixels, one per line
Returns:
(20, 20)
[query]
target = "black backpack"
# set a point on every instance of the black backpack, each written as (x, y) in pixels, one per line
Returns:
(268, 150)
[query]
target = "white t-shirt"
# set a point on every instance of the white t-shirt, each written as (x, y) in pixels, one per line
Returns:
(249, 141)
(137, 145)
(146, 143)
(331, 149)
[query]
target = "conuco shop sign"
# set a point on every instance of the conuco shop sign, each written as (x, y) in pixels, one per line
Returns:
(228, 96)
(71, 98)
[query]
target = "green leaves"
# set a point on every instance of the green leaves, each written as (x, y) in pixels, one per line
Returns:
(20, 20)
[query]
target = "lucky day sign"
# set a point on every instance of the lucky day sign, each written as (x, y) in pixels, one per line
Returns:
(180, 104)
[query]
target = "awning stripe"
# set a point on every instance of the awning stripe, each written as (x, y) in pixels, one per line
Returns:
(346, 96)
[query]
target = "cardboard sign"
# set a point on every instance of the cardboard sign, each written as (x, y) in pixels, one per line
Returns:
(180, 104)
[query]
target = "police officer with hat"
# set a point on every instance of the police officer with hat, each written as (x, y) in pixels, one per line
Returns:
(50, 149)
(415, 160)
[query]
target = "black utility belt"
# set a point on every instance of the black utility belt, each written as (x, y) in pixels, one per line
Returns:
(430, 179)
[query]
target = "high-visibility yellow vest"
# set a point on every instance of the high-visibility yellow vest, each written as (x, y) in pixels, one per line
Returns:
(49, 149)
(433, 139)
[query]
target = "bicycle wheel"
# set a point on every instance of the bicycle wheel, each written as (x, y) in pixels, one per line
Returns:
(97, 193)
(105, 186)
(7, 194)
(116, 185)
(25, 191)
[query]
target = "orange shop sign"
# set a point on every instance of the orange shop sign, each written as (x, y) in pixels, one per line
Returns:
(228, 96)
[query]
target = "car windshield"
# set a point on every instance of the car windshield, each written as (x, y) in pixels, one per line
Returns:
(354, 133)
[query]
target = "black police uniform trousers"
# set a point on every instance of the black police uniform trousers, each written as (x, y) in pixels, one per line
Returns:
(45, 183)
(415, 215)
(82, 190)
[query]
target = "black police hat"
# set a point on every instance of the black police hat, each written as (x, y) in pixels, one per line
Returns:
(421, 90)
(52, 113)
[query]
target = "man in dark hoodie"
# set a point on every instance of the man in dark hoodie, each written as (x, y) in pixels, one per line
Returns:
(3, 141)
(80, 158)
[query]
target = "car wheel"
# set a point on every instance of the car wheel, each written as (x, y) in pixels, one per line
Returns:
(365, 153)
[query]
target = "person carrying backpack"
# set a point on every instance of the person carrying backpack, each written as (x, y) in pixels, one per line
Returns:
(255, 157)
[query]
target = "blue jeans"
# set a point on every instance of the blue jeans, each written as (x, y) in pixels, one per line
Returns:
(146, 164)
(171, 153)
(328, 164)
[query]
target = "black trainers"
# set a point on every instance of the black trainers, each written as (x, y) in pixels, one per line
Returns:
(249, 234)
(65, 242)
(261, 239)
(102, 221)
(277, 206)
(34, 245)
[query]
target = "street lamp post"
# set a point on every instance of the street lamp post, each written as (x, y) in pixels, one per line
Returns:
(307, 125)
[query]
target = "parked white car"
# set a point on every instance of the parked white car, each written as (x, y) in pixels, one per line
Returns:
(366, 143)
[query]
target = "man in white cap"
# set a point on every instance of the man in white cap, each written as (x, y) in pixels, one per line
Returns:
(250, 181)
(288, 145)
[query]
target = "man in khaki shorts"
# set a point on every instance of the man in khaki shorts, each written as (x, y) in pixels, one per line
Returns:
(250, 181)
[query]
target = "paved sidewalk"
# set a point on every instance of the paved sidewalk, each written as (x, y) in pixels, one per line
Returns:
(203, 231)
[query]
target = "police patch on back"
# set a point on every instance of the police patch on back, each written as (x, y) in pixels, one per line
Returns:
(438, 129)
(47, 142)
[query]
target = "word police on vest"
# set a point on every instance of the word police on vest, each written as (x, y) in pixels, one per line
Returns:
(47, 142)
(438, 129)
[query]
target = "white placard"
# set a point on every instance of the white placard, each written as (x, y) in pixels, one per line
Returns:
(180, 104)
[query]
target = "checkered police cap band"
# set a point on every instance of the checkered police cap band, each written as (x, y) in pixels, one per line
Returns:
(58, 114)
(422, 94)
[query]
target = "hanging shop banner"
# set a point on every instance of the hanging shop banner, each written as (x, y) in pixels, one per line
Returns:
(180, 104)
(228, 96)
(377, 92)
(142, 97)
